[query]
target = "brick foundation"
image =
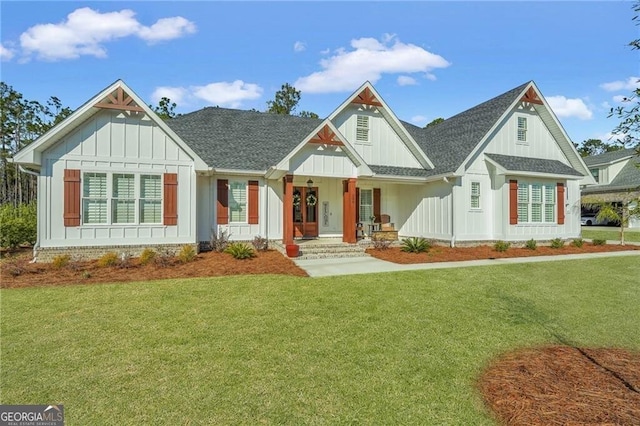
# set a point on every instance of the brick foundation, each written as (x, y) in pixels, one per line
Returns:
(46, 254)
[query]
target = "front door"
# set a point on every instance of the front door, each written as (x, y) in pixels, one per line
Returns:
(305, 212)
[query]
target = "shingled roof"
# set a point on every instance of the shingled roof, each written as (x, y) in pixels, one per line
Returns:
(608, 157)
(535, 165)
(627, 178)
(241, 140)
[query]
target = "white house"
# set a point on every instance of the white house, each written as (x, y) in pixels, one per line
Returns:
(113, 175)
(617, 175)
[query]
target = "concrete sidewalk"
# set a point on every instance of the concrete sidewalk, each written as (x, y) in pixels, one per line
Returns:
(368, 264)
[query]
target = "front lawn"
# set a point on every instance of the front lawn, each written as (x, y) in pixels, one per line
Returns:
(611, 235)
(401, 348)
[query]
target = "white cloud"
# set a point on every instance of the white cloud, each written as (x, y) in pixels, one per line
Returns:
(325, 51)
(85, 31)
(418, 119)
(620, 99)
(6, 54)
(368, 59)
(564, 107)
(176, 94)
(631, 83)
(299, 46)
(405, 80)
(228, 94)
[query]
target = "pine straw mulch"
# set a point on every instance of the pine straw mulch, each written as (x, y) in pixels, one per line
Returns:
(562, 385)
(16, 271)
(449, 254)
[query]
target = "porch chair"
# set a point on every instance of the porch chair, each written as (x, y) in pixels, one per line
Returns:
(385, 223)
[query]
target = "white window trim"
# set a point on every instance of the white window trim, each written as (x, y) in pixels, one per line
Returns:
(360, 205)
(110, 198)
(524, 129)
(472, 195)
(545, 186)
(246, 202)
(366, 129)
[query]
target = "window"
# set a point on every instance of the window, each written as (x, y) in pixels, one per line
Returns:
(94, 198)
(150, 199)
(536, 203)
(237, 201)
(121, 198)
(362, 128)
(475, 195)
(522, 129)
(596, 174)
(124, 199)
(366, 205)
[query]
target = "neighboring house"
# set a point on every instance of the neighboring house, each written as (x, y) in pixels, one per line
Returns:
(617, 176)
(113, 175)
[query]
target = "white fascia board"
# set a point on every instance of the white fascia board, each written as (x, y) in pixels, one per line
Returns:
(414, 179)
(611, 163)
(237, 172)
(388, 114)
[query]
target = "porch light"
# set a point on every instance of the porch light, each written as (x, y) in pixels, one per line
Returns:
(309, 184)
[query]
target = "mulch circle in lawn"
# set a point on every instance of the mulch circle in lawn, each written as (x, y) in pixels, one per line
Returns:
(562, 385)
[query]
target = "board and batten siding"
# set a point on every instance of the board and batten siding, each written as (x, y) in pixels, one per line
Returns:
(385, 147)
(115, 142)
(319, 160)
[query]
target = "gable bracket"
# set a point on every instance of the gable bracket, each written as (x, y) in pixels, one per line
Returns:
(366, 97)
(119, 101)
(326, 137)
(531, 97)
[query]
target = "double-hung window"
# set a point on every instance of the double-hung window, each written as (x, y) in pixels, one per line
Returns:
(362, 128)
(123, 204)
(94, 198)
(536, 203)
(238, 201)
(522, 129)
(366, 205)
(150, 199)
(596, 174)
(475, 195)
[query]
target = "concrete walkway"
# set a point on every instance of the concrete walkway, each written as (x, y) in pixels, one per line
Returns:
(368, 265)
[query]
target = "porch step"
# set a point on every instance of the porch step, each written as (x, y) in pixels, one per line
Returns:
(314, 250)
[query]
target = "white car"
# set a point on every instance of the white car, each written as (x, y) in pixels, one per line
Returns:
(590, 219)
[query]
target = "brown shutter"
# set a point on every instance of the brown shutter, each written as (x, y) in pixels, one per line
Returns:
(223, 202)
(560, 201)
(357, 204)
(253, 202)
(376, 204)
(170, 216)
(71, 214)
(513, 202)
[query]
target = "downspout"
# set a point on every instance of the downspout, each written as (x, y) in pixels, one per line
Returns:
(453, 217)
(37, 243)
(266, 213)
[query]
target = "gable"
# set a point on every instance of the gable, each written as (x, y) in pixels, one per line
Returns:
(384, 145)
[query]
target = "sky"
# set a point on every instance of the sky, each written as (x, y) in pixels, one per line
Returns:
(426, 59)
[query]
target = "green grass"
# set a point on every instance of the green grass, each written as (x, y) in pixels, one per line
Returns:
(401, 348)
(612, 235)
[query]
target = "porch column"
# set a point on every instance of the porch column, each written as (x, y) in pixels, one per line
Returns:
(349, 211)
(287, 210)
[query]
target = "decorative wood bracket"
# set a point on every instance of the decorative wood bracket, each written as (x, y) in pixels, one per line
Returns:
(119, 100)
(532, 97)
(326, 137)
(366, 97)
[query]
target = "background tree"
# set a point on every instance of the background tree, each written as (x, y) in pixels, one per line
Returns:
(285, 102)
(629, 113)
(595, 147)
(434, 122)
(165, 108)
(21, 122)
(624, 207)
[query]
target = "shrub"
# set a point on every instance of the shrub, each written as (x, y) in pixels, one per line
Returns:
(501, 246)
(147, 256)
(599, 241)
(578, 242)
(86, 275)
(415, 245)
(531, 244)
(380, 244)
(60, 261)
(16, 267)
(240, 250)
(108, 259)
(187, 254)
(557, 243)
(125, 261)
(219, 241)
(260, 243)
(18, 225)
(163, 258)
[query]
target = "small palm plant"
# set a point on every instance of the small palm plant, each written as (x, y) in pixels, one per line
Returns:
(415, 245)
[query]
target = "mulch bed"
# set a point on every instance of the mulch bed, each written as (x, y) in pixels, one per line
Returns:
(448, 254)
(563, 385)
(17, 272)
